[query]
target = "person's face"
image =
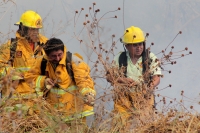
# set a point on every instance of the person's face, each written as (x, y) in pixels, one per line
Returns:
(33, 34)
(135, 49)
(55, 56)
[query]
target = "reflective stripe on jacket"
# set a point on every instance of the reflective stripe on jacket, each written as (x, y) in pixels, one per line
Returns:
(79, 115)
(27, 96)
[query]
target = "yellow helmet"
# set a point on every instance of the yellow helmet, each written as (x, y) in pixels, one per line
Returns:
(133, 35)
(30, 19)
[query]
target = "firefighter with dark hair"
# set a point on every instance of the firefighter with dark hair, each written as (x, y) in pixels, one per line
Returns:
(65, 80)
(141, 71)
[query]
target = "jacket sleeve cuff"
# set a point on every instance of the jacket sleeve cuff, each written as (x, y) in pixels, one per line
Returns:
(40, 82)
(84, 91)
(6, 70)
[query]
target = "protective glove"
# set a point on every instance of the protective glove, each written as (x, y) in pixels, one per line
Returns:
(48, 83)
(89, 99)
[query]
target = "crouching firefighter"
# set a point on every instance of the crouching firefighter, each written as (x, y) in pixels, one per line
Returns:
(65, 80)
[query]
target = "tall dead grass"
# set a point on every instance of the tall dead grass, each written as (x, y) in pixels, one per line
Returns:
(36, 115)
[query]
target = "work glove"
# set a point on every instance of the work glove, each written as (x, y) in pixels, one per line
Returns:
(89, 99)
(49, 83)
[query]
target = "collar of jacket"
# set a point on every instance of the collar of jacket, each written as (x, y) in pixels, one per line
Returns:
(63, 60)
(23, 38)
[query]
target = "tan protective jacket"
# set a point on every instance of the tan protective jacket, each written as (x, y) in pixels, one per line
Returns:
(24, 59)
(68, 98)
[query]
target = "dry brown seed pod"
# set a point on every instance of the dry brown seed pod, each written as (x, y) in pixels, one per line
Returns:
(82, 8)
(94, 3)
(186, 48)
(182, 91)
(76, 11)
(156, 60)
(90, 8)
(84, 23)
(86, 15)
(119, 8)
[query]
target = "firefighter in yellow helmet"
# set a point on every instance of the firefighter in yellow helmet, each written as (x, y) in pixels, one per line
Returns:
(141, 75)
(65, 80)
(19, 54)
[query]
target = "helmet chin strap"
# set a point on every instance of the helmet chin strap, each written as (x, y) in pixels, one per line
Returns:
(123, 44)
(124, 48)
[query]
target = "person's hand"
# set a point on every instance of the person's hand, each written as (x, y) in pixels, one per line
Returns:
(125, 80)
(17, 76)
(108, 77)
(49, 83)
(89, 99)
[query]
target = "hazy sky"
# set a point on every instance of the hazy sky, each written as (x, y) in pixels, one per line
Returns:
(162, 19)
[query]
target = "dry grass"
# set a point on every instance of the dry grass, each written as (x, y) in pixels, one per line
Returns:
(36, 115)
(27, 116)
